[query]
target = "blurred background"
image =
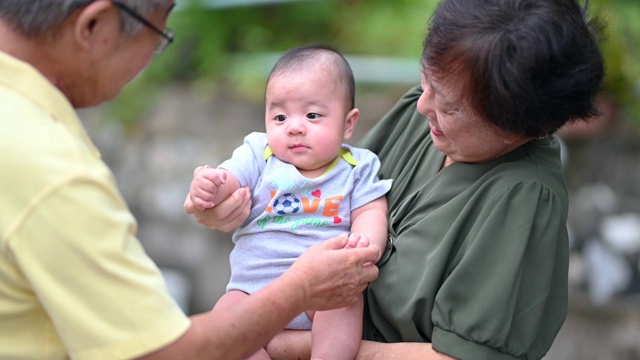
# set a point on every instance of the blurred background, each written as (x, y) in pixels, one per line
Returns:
(197, 101)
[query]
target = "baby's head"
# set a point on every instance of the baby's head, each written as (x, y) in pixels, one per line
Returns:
(321, 59)
(309, 107)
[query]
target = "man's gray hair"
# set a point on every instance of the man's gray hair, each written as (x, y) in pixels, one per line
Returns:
(37, 18)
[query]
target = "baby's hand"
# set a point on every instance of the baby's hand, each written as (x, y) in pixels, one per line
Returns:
(204, 186)
(357, 240)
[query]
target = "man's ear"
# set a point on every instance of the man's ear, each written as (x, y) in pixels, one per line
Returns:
(350, 122)
(97, 26)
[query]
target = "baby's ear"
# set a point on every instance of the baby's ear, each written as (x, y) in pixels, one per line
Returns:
(350, 122)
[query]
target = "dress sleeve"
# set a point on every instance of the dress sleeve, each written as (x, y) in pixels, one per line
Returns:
(504, 294)
(106, 298)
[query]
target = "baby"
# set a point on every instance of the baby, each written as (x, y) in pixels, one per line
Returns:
(306, 185)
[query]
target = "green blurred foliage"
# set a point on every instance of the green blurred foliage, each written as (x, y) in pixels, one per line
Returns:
(221, 45)
(621, 48)
(207, 37)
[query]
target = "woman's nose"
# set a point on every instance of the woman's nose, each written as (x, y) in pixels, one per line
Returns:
(425, 103)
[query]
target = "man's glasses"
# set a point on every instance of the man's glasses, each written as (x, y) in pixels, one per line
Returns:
(166, 36)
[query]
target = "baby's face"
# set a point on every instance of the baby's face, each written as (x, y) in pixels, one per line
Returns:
(307, 119)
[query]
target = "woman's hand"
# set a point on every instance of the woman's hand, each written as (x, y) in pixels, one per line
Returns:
(227, 215)
(204, 186)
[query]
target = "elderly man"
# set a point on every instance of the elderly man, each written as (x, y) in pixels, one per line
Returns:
(74, 280)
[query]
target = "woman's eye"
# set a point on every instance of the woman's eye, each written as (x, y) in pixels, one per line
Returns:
(280, 118)
(450, 112)
(313, 115)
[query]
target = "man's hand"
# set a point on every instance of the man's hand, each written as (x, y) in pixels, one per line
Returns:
(332, 276)
(357, 240)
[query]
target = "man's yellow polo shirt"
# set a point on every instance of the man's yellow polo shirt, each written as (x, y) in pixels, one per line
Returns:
(74, 279)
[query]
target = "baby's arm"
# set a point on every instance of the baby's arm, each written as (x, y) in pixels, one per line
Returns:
(370, 221)
(209, 187)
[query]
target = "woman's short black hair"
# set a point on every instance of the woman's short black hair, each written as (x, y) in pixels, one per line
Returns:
(527, 66)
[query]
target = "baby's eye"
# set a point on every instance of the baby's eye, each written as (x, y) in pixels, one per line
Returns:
(280, 117)
(313, 116)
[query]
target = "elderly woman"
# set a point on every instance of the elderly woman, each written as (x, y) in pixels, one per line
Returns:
(476, 263)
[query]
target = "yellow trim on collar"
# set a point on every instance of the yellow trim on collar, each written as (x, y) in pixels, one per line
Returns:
(348, 157)
(267, 153)
(344, 154)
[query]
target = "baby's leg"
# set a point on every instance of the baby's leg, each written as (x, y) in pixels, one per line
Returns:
(231, 299)
(336, 334)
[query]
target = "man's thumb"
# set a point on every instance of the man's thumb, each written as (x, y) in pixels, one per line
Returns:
(337, 242)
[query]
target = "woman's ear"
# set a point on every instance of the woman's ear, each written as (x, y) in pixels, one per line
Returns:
(97, 26)
(350, 122)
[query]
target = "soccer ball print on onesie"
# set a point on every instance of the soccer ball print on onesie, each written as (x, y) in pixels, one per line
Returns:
(287, 204)
(298, 210)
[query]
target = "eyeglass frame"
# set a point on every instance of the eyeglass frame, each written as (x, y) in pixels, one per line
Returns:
(167, 36)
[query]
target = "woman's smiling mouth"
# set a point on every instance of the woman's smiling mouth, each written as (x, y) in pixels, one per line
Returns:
(434, 130)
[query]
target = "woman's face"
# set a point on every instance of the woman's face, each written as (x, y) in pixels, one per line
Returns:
(457, 131)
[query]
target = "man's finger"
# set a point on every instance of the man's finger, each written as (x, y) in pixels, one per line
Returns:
(335, 243)
(367, 254)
